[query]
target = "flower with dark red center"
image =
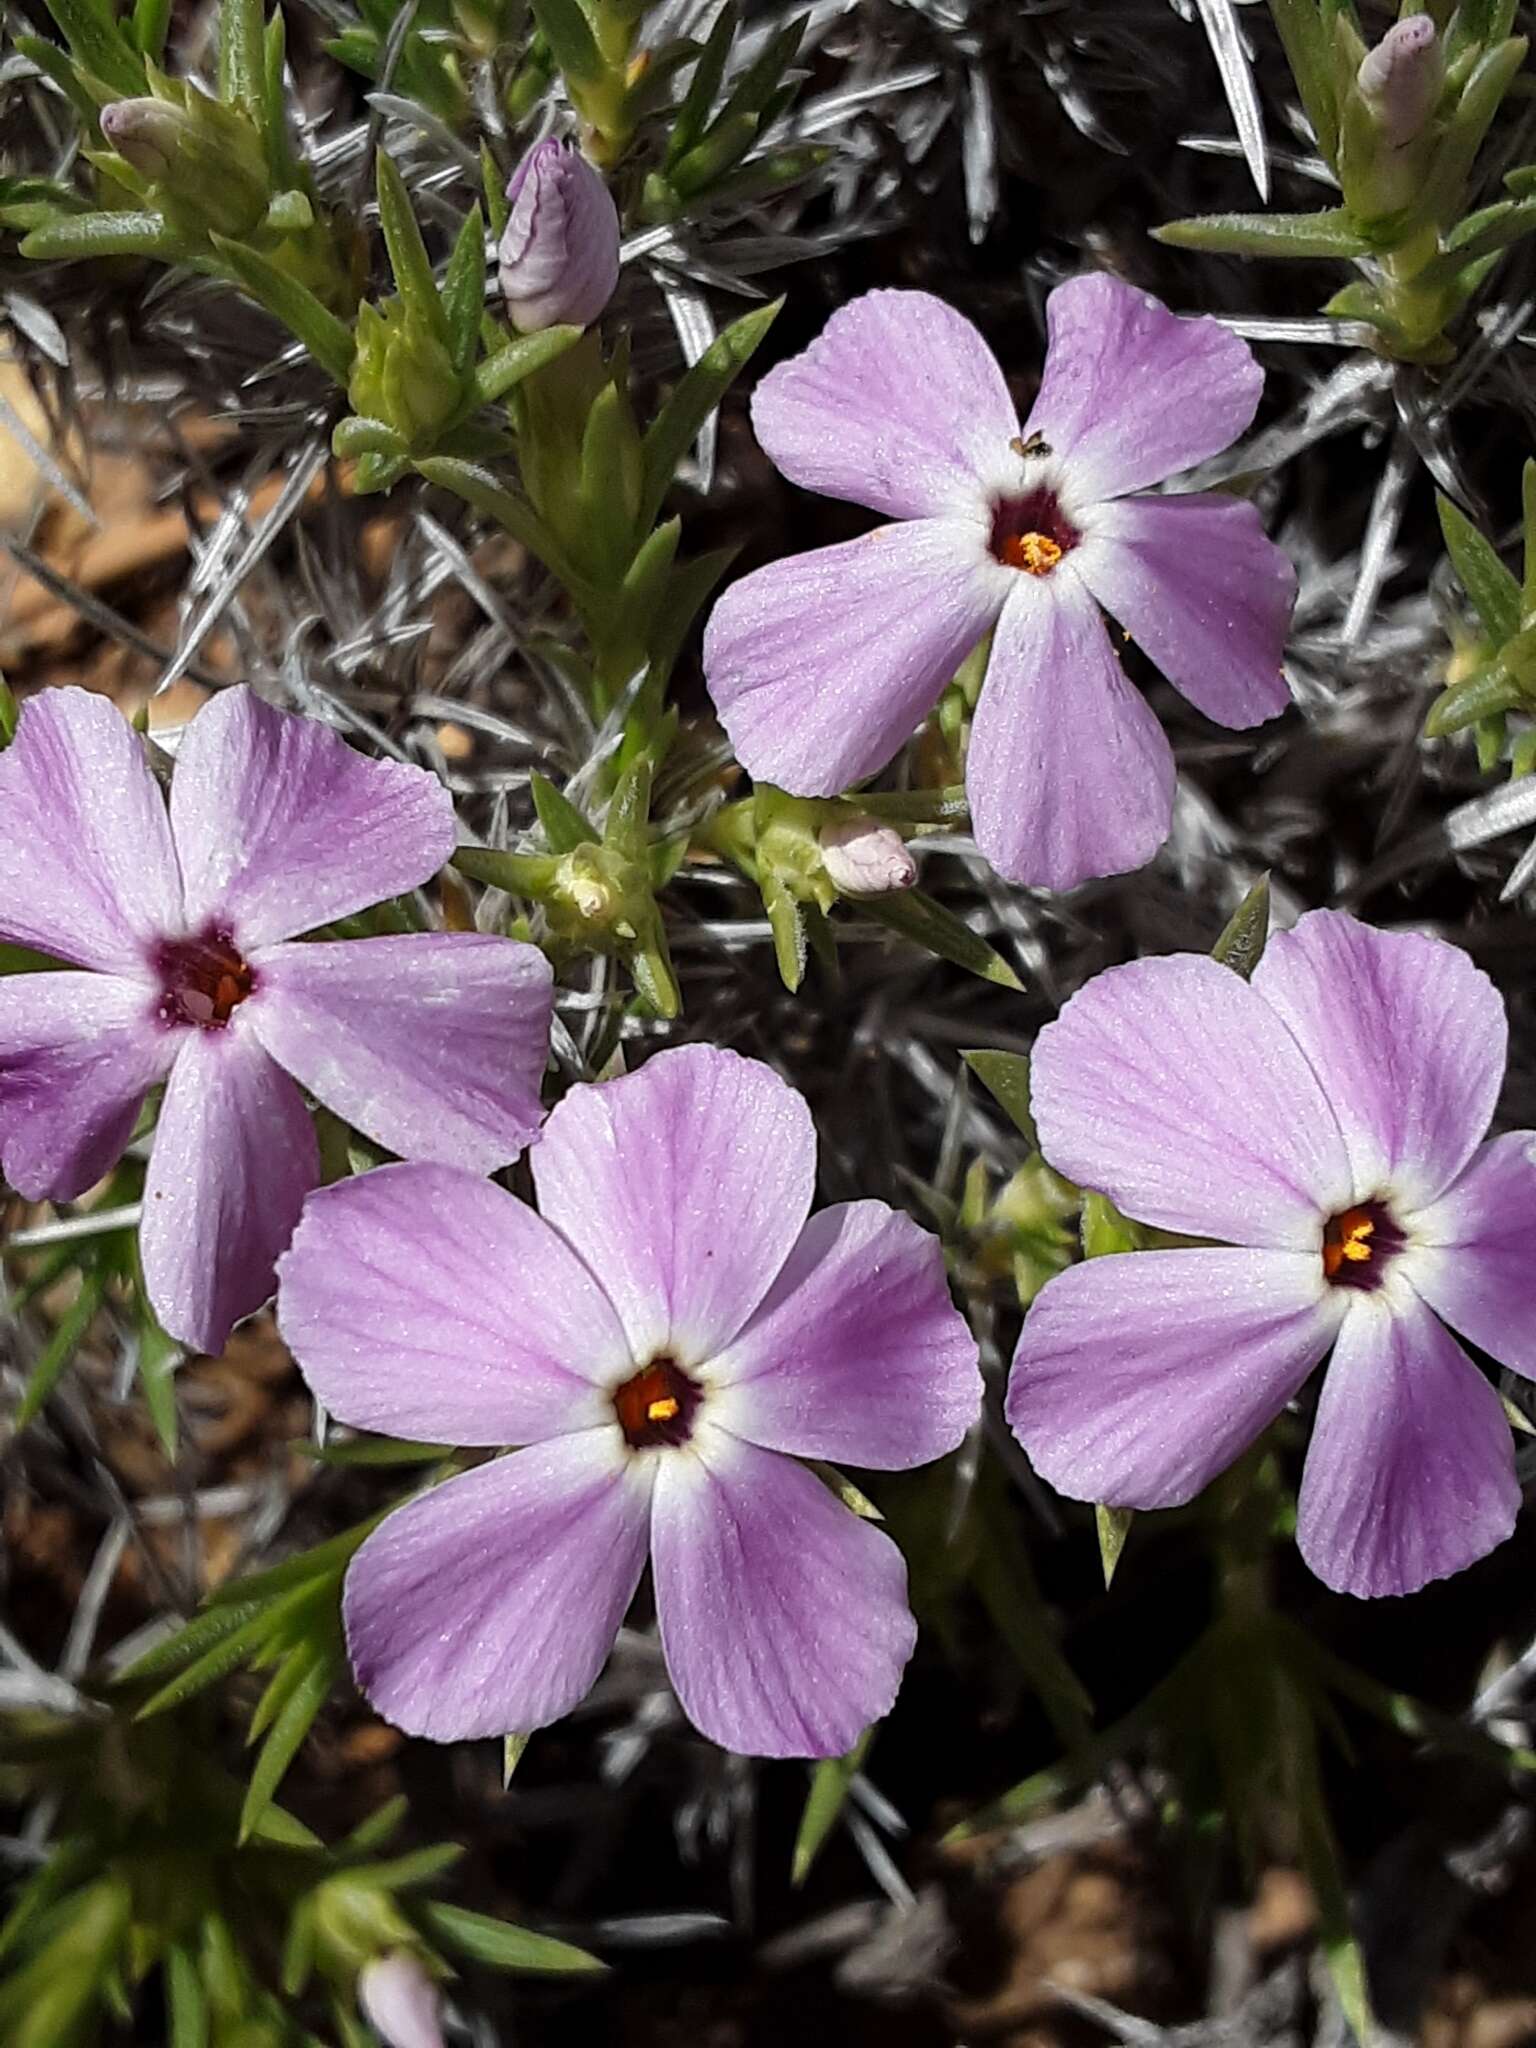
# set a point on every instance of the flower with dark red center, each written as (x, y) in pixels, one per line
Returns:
(823, 665)
(666, 1338)
(1327, 1122)
(175, 933)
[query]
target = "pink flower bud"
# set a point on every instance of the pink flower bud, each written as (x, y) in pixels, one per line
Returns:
(559, 254)
(400, 2001)
(1400, 79)
(866, 859)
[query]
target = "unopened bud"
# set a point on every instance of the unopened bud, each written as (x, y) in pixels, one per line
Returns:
(1400, 80)
(400, 2001)
(403, 375)
(145, 133)
(864, 858)
(559, 254)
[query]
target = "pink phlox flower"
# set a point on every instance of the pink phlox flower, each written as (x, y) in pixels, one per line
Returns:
(1327, 1122)
(822, 665)
(666, 1337)
(174, 927)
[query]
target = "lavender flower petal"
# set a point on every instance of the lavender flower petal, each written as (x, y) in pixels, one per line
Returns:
(683, 1187)
(87, 869)
(433, 1043)
(78, 1054)
(822, 666)
(1142, 1375)
(857, 1351)
(1195, 581)
(1068, 772)
(783, 1616)
(426, 1303)
(1407, 1037)
(898, 404)
(1133, 393)
(234, 1156)
(489, 1605)
(1474, 1252)
(282, 827)
(1411, 1473)
(1172, 1086)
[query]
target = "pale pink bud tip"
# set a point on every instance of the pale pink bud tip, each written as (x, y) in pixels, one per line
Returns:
(559, 255)
(144, 132)
(400, 2001)
(866, 859)
(1401, 78)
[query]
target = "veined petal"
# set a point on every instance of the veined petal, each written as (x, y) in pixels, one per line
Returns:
(234, 1156)
(87, 869)
(427, 1303)
(78, 1054)
(857, 1352)
(1133, 393)
(433, 1043)
(898, 404)
(1407, 1038)
(683, 1187)
(783, 1616)
(1411, 1473)
(1142, 1375)
(822, 666)
(1068, 772)
(1473, 1252)
(489, 1605)
(282, 827)
(1197, 583)
(1171, 1086)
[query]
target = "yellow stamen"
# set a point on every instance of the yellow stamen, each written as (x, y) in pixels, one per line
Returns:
(1347, 1238)
(1035, 552)
(661, 1411)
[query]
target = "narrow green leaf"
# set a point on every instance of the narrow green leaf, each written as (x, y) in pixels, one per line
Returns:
(830, 1780)
(571, 42)
(1320, 1865)
(1489, 692)
(928, 924)
(1306, 49)
(131, 233)
(499, 373)
(355, 437)
(1005, 1076)
(328, 341)
(151, 20)
(463, 295)
(693, 114)
(187, 1644)
(9, 713)
(1490, 586)
(158, 1358)
(1242, 942)
(503, 1946)
(478, 488)
(496, 207)
(320, 1563)
(408, 258)
(626, 827)
(61, 1347)
(676, 427)
(1331, 233)
(319, 1672)
(100, 46)
(226, 1655)
(564, 826)
(372, 1452)
(242, 56)
(1528, 536)
(687, 589)
(184, 1996)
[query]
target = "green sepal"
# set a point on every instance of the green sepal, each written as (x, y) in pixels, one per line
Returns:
(408, 258)
(565, 827)
(1005, 1076)
(1330, 233)
(1112, 1526)
(1246, 932)
(463, 294)
(830, 1782)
